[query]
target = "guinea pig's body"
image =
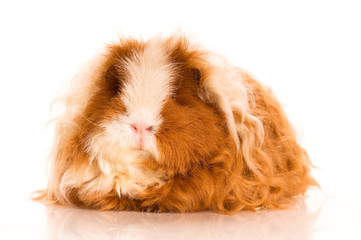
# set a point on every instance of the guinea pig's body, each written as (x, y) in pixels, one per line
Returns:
(161, 126)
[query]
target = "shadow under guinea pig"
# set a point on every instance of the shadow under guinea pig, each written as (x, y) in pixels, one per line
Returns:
(70, 223)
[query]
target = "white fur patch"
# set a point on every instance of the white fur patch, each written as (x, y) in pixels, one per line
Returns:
(148, 84)
(126, 173)
(150, 75)
(226, 87)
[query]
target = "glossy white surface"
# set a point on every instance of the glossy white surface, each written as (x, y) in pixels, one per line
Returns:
(318, 217)
(308, 52)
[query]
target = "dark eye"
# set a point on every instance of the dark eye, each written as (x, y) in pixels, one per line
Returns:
(196, 74)
(113, 81)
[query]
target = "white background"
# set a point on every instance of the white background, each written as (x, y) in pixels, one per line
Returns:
(308, 52)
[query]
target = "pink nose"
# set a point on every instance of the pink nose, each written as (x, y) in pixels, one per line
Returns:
(141, 131)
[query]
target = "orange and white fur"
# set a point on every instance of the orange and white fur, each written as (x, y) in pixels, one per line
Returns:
(163, 126)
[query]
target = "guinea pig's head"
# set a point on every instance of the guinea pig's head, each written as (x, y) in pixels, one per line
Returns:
(150, 103)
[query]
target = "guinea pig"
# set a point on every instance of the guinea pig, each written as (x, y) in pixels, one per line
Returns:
(165, 126)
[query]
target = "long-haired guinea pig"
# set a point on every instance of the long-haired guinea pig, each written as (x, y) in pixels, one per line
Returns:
(163, 126)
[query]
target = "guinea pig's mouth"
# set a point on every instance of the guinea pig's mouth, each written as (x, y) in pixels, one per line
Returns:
(139, 149)
(137, 154)
(142, 152)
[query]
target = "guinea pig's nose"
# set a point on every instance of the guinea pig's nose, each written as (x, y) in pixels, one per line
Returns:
(141, 128)
(141, 131)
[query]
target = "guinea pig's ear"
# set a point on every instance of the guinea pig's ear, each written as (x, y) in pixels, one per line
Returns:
(196, 74)
(112, 80)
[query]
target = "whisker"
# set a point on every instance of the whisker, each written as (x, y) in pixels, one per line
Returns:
(90, 121)
(189, 123)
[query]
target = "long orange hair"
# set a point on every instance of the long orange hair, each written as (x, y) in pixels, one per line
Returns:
(222, 143)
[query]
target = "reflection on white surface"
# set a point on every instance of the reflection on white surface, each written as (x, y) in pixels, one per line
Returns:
(318, 217)
(69, 223)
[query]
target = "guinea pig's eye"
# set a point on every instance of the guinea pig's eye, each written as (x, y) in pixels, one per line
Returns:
(196, 74)
(112, 80)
